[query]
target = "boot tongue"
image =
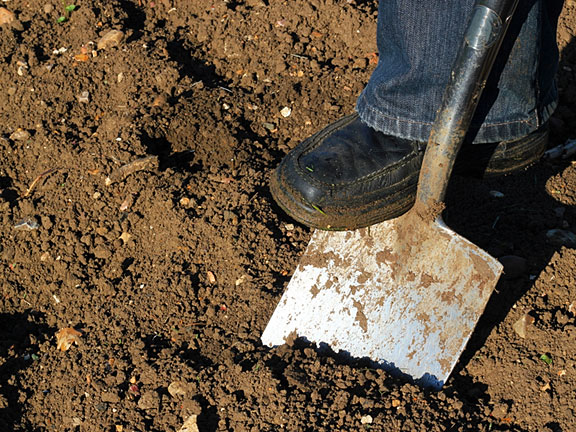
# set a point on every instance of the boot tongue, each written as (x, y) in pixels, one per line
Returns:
(353, 152)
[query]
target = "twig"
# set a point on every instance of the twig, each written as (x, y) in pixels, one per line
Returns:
(37, 179)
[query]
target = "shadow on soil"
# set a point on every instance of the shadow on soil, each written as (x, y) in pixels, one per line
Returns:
(20, 334)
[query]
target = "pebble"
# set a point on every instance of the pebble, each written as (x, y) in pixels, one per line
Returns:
(22, 67)
(6, 17)
(559, 237)
(48, 8)
(270, 126)
(496, 194)
(84, 97)
(177, 388)
(190, 425)
(367, 419)
(286, 111)
(101, 407)
(20, 135)
(514, 266)
(521, 325)
(110, 39)
(27, 224)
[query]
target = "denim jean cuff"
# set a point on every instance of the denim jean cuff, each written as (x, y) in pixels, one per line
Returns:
(487, 133)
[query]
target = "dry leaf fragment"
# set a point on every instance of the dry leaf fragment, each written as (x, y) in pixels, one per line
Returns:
(66, 337)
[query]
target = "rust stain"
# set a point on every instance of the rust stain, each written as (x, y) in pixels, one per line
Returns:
(426, 280)
(410, 276)
(364, 277)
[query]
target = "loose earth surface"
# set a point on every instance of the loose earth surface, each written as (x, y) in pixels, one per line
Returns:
(170, 267)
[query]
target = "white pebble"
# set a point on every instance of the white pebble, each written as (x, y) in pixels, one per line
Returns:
(367, 419)
(84, 97)
(286, 111)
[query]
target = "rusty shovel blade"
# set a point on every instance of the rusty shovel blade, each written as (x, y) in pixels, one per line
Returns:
(405, 293)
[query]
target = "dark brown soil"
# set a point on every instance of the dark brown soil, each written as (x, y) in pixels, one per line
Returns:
(172, 271)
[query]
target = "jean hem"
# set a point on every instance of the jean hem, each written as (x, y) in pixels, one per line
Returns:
(420, 130)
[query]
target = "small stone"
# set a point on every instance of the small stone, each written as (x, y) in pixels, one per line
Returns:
(270, 126)
(101, 407)
(22, 67)
(84, 97)
(6, 17)
(20, 135)
(125, 237)
(27, 224)
(185, 202)
(286, 111)
(177, 388)
(558, 237)
(96, 195)
(110, 39)
(496, 194)
(190, 425)
(522, 324)
(514, 266)
(367, 419)
(241, 280)
(48, 8)
(211, 277)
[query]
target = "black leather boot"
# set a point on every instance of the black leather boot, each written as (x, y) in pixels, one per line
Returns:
(349, 175)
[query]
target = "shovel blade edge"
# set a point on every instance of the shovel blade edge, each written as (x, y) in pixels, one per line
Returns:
(405, 295)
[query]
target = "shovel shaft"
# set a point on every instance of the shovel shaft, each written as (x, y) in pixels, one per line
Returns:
(484, 35)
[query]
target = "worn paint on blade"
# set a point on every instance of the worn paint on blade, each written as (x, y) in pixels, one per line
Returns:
(421, 294)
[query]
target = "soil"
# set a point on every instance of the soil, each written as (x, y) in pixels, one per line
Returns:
(171, 268)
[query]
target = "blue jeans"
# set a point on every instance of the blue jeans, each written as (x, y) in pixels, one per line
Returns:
(418, 42)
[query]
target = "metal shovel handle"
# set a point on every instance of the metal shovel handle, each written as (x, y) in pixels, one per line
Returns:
(484, 35)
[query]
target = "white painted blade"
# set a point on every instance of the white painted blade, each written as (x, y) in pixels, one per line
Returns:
(405, 294)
